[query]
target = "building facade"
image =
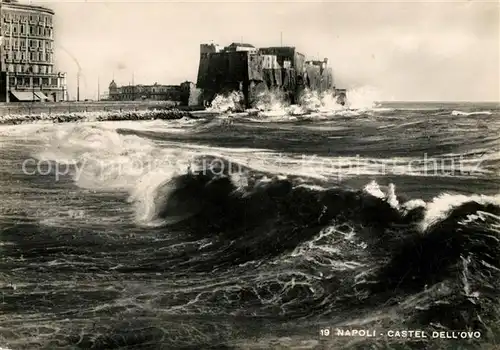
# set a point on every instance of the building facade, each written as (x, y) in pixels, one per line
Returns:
(27, 71)
(156, 92)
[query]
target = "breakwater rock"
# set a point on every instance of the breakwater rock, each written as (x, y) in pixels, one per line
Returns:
(164, 114)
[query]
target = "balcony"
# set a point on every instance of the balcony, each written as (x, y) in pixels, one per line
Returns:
(39, 74)
(36, 87)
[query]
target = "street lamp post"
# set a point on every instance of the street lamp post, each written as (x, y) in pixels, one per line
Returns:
(78, 85)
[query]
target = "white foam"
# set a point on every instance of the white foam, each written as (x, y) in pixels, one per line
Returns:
(441, 205)
(222, 103)
(316, 105)
(470, 113)
(389, 195)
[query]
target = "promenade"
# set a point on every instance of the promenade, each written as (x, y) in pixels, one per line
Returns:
(35, 108)
(21, 113)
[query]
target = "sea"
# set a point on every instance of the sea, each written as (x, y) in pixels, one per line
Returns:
(313, 227)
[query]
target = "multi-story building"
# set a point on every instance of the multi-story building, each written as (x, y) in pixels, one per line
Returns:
(27, 55)
(177, 93)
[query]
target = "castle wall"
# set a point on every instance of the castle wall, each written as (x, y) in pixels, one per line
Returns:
(282, 54)
(275, 67)
(289, 77)
(327, 79)
(203, 72)
(255, 66)
(225, 69)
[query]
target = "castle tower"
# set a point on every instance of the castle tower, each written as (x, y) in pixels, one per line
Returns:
(205, 51)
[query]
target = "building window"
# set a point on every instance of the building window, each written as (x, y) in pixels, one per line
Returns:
(49, 69)
(54, 81)
(43, 69)
(14, 29)
(32, 30)
(35, 68)
(11, 68)
(19, 68)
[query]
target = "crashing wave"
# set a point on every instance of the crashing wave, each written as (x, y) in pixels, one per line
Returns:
(456, 113)
(227, 103)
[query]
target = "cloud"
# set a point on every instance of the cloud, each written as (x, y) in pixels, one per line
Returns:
(408, 50)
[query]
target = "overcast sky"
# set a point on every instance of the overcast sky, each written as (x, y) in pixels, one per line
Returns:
(447, 50)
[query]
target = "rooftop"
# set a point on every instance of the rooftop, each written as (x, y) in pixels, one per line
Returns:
(241, 45)
(25, 5)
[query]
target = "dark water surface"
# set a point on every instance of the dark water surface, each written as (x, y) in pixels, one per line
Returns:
(252, 231)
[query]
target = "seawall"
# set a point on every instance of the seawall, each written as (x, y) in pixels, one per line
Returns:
(29, 108)
(21, 113)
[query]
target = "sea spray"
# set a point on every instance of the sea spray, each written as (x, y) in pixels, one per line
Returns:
(363, 97)
(230, 102)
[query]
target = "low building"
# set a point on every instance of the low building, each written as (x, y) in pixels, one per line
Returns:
(156, 92)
